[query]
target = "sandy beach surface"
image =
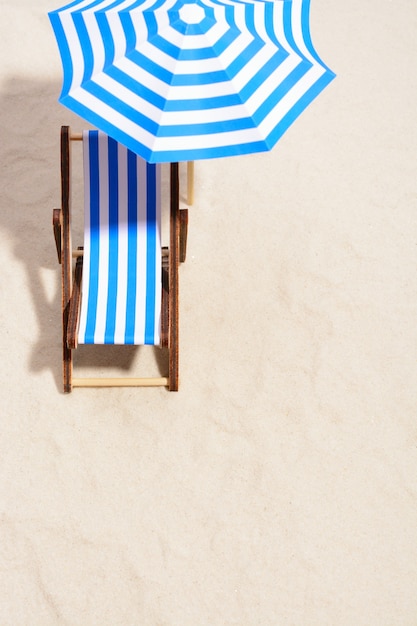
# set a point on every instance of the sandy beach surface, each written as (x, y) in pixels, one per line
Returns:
(279, 486)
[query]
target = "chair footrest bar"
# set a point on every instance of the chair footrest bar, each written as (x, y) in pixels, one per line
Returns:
(120, 382)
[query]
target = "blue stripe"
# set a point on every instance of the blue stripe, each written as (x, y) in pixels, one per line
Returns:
(168, 156)
(165, 75)
(194, 154)
(171, 105)
(265, 72)
(129, 32)
(107, 127)
(305, 17)
(135, 87)
(305, 27)
(192, 54)
(64, 8)
(182, 27)
(207, 128)
(269, 11)
(113, 180)
(171, 130)
(282, 90)
(287, 23)
(298, 108)
(85, 44)
(177, 80)
(94, 236)
(163, 156)
(216, 102)
(246, 55)
(150, 253)
(106, 35)
(64, 51)
(132, 242)
(119, 105)
(96, 170)
(195, 54)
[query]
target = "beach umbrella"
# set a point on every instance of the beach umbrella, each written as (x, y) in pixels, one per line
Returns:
(178, 80)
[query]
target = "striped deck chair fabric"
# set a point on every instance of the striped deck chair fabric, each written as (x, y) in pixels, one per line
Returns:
(121, 288)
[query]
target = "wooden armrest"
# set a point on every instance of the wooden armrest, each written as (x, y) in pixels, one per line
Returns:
(183, 234)
(165, 299)
(56, 223)
(74, 306)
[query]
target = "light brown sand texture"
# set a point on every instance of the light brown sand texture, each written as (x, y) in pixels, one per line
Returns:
(278, 487)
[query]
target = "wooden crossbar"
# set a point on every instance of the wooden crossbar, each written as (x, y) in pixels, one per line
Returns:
(120, 382)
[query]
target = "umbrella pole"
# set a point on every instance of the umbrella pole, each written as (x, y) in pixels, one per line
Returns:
(190, 182)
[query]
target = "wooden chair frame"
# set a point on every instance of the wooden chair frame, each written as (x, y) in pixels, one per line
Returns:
(71, 278)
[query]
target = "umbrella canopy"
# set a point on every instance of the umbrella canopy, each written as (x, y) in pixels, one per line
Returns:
(178, 80)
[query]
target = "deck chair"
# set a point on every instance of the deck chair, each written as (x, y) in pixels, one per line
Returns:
(121, 286)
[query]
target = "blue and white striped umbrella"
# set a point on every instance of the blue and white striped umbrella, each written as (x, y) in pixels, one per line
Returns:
(178, 80)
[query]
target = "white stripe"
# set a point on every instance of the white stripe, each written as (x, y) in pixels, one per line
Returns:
(165, 143)
(94, 34)
(77, 57)
(120, 325)
(103, 269)
(187, 42)
(290, 99)
(116, 28)
(197, 66)
(86, 259)
(296, 12)
(172, 93)
(141, 254)
(79, 6)
(158, 273)
(174, 118)
(183, 91)
(255, 65)
(122, 262)
(214, 140)
(278, 25)
(271, 83)
(204, 115)
(108, 113)
(72, 36)
(232, 138)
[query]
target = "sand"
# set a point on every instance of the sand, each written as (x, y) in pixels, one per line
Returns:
(278, 487)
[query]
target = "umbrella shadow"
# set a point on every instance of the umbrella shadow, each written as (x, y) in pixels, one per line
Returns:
(28, 184)
(29, 190)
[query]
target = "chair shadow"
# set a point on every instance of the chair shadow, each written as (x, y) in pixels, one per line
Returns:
(123, 358)
(30, 188)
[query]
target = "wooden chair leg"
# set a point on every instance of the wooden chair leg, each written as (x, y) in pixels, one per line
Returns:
(173, 281)
(66, 357)
(66, 255)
